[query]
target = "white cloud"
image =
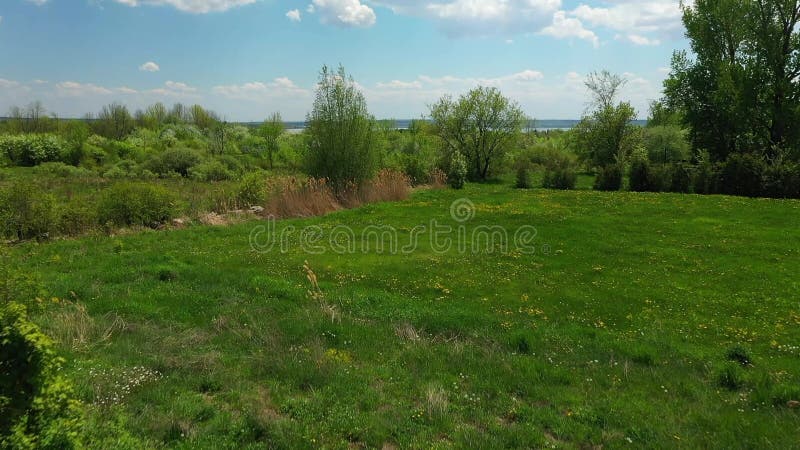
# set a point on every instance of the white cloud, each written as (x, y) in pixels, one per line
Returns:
(179, 87)
(634, 19)
(257, 90)
(126, 90)
(481, 17)
(564, 27)
(5, 84)
(149, 66)
(344, 13)
(190, 6)
(75, 89)
(397, 84)
(294, 15)
(637, 39)
(38, 2)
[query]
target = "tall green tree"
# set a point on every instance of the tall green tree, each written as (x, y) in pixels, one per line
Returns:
(271, 131)
(341, 132)
(482, 125)
(738, 86)
(606, 135)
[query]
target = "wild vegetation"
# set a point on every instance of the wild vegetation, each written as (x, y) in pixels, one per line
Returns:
(629, 319)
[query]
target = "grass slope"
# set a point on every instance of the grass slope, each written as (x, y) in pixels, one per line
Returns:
(617, 332)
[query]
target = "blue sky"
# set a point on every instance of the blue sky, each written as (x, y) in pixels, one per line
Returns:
(248, 58)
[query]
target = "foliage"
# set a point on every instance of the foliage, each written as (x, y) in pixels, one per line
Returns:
(174, 160)
(738, 86)
(640, 176)
(128, 203)
(31, 149)
(251, 190)
(482, 125)
(211, 170)
(114, 122)
(271, 131)
(457, 175)
(38, 409)
(563, 178)
(26, 211)
(523, 180)
(341, 134)
(606, 135)
(681, 178)
(608, 178)
(666, 144)
(741, 175)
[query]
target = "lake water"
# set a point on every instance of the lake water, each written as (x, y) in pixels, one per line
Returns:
(539, 125)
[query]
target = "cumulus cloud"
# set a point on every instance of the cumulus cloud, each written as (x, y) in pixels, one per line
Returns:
(484, 17)
(5, 84)
(294, 15)
(190, 6)
(126, 90)
(149, 66)
(179, 87)
(564, 27)
(257, 90)
(75, 89)
(635, 19)
(638, 39)
(344, 13)
(38, 2)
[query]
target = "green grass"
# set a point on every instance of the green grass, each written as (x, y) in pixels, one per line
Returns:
(623, 330)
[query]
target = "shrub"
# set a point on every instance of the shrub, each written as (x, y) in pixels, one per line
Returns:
(457, 174)
(174, 160)
(666, 143)
(75, 218)
(211, 170)
(523, 180)
(741, 175)
(60, 169)
(706, 178)
(782, 180)
(26, 212)
(341, 132)
(37, 406)
(740, 355)
(251, 190)
(31, 149)
(681, 179)
(640, 175)
(136, 204)
(560, 178)
(609, 178)
(660, 177)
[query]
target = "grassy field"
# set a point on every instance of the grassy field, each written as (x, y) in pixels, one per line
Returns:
(641, 321)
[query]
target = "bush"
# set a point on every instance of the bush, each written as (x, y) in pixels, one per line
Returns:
(560, 178)
(741, 175)
(457, 175)
(523, 179)
(660, 177)
(341, 132)
(211, 170)
(706, 178)
(26, 212)
(666, 143)
(640, 175)
(37, 406)
(681, 179)
(60, 169)
(782, 180)
(76, 218)
(136, 204)
(174, 160)
(730, 377)
(31, 149)
(251, 190)
(609, 178)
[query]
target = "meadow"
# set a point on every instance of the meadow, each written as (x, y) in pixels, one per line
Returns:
(642, 320)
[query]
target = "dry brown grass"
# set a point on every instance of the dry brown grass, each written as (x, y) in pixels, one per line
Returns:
(73, 327)
(438, 179)
(295, 198)
(407, 332)
(436, 401)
